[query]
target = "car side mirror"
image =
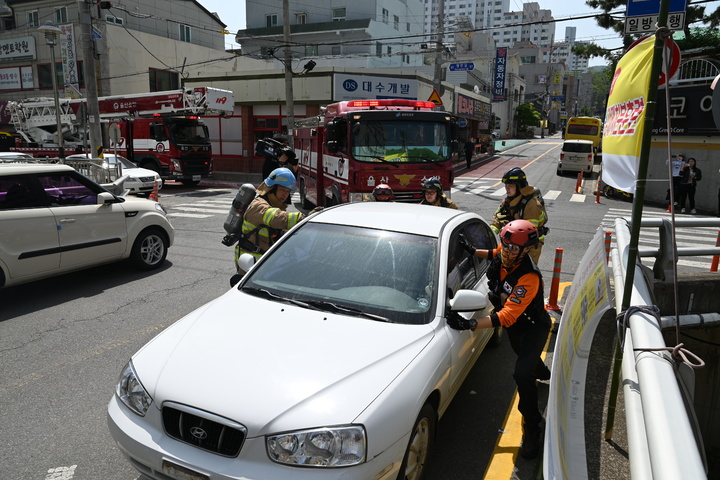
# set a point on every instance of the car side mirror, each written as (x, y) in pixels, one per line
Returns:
(468, 301)
(105, 197)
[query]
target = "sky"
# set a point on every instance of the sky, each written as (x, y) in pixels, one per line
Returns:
(232, 13)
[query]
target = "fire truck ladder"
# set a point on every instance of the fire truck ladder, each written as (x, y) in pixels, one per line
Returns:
(39, 114)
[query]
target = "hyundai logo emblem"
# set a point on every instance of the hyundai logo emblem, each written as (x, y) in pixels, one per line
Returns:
(198, 433)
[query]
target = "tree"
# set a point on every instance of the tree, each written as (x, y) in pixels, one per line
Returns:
(612, 18)
(526, 116)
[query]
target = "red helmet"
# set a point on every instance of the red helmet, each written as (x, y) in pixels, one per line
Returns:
(519, 232)
(382, 192)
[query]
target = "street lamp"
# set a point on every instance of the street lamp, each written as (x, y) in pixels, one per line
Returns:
(51, 33)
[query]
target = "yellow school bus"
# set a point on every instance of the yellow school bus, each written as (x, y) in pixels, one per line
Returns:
(584, 128)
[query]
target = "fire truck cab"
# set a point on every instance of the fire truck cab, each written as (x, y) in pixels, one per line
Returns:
(355, 145)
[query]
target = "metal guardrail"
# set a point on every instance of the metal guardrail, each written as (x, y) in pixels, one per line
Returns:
(660, 427)
(95, 169)
(664, 261)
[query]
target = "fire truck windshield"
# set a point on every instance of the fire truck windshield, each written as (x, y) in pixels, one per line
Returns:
(189, 131)
(400, 141)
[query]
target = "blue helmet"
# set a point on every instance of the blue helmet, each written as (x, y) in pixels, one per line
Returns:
(281, 176)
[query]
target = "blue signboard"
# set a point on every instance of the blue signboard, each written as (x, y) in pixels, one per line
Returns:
(462, 67)
(636, 8)
(499, 75)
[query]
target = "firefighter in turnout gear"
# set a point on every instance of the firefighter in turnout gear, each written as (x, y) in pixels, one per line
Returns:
(433, 194)
(516, 292)
(521, 202)
(266, 218)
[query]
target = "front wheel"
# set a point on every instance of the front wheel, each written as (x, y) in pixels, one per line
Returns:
(418, 451)
(150, 249)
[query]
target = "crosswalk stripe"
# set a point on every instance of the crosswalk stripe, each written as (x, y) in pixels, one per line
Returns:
(577, 197)
(189, 215)
(552, 195)
(193, 209)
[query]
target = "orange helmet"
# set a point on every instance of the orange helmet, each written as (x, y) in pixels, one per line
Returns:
(519, 232)
(382, 193)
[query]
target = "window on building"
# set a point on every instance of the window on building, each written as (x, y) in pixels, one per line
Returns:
(407, 26)
(32, 19)
(301, 18)
(61, 15)
(114, 19)
(45, 76)
(378, 49)
(7, 23)
(396, 22)
(185, 33)
(163, 80)
(271, 20)
(385, 15)
(338, 14)
(336, 50)
(406, 58)
(389, 50)
(311, 50)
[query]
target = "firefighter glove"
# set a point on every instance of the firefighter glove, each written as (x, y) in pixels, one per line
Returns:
(456, 321)
(467, 245)
(315, 210)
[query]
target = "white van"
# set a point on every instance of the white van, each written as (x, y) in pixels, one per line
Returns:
(576, 156)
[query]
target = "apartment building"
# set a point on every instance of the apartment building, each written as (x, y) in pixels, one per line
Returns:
(370, 34)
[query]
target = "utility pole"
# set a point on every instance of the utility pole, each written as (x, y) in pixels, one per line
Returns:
(91, 91)
(289, 101)
(437, 78)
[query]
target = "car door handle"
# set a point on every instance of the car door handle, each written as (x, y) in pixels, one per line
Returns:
(67, 220)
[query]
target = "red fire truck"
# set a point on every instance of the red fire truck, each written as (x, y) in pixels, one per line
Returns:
(355, 145)
(161, 131)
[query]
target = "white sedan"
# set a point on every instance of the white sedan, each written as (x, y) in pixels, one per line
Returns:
(332, 358)
(140, 180)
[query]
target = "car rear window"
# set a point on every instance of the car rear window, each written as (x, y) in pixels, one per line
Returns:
(577, 147)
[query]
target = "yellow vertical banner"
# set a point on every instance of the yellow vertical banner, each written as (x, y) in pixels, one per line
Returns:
(625, 116)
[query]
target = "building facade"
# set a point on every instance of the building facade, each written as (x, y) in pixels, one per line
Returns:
(137, 46)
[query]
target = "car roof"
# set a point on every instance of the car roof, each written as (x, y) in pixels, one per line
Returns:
(401, 217)
(20, 168)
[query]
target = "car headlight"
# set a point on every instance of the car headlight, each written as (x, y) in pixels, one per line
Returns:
(322, 447)
(160, 208)
(133, 179)
(131, 392)
(177, 166)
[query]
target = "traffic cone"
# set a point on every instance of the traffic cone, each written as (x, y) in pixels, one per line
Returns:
(155, 195)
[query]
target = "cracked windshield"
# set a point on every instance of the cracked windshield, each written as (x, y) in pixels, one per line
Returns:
(400, 141)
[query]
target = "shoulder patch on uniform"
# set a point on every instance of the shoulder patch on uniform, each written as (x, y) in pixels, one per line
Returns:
(520, 292)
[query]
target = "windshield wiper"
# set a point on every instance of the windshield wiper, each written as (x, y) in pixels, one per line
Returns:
(376, 157)
(274, 296)
(337, 308)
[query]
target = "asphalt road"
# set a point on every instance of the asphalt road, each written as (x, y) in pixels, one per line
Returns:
(64, 340)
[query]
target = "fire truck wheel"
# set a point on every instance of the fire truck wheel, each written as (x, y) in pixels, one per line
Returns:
(150, 249)
(190, 183)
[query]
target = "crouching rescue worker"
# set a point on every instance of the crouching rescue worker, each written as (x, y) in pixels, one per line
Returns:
(433, 194)
(266, 218)
(516, 292)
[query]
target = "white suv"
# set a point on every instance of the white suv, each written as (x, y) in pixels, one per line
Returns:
(55, 220)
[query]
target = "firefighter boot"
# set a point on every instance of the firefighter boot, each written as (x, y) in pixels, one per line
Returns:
(530, 440)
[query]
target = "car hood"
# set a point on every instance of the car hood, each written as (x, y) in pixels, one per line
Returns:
(276, 367)
(139, 172)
